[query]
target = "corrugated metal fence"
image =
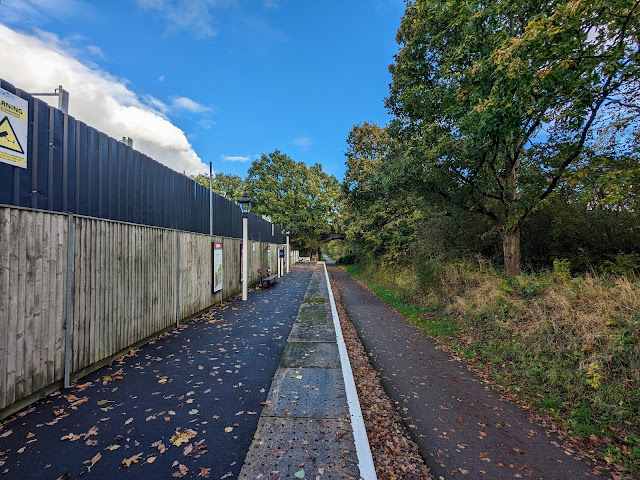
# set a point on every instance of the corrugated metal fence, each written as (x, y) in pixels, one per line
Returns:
(72, 167)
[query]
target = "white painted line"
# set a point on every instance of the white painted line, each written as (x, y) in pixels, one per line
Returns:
(363, 450)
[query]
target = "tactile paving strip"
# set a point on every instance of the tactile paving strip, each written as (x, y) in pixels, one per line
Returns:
(303, 332)
(323, 448)
(310, 355)
(307, 392)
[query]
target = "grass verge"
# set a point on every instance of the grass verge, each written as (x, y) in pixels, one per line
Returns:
(569, 348)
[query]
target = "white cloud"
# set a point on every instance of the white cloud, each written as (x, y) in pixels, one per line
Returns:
(96, 98)
(303, 142)
(192, 15)
(36, 12)
(161, 78)
(234, 159)
(97, 51)
(184, 103)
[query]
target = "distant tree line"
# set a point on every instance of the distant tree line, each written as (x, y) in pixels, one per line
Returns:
(293, 195)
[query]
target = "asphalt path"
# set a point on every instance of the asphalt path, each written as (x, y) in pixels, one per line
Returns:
(187, 403)
(463, 428)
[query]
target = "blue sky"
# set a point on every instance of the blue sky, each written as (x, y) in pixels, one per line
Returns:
(237, 78)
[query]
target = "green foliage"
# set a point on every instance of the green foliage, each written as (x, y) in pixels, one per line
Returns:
(623, 264)
(228, 186)
(494, 101)
(293, 194)
(562, 269)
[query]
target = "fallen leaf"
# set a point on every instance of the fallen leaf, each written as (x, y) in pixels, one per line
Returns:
(31, 435)
(182, 437)
(112, 447)
(204, 472)
(299, 473)
(92, 431)
(193, 412)
(94, 460)
(228, 429)
(80, 402)
(128, 461)
(182, 472)
(21, 450)
(129, 420)
(151, 459)
(188, 449)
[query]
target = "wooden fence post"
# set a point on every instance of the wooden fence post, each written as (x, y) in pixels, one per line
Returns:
(177, 278)
(69, 303)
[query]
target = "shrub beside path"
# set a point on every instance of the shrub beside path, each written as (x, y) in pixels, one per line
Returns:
(463, 428)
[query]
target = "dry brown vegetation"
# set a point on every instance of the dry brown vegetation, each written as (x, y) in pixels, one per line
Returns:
(569, 347)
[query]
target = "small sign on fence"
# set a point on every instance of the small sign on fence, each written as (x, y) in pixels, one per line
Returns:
(14, 120)
(217, 266)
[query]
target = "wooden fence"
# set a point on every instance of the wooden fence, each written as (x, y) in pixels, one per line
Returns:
(128, 282)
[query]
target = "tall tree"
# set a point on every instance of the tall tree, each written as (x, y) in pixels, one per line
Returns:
(305, 198)
(227, 185)
(494, 100)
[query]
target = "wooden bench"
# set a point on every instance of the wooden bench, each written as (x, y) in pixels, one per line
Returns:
(265, 279)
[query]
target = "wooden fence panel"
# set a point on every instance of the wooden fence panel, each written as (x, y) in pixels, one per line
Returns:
(31, 320)
(123, 291)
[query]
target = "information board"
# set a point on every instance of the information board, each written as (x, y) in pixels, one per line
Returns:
(217, 267)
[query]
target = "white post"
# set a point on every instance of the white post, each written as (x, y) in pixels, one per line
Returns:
(279, 263)
(210, 198)
(245, 257)
(287, 252)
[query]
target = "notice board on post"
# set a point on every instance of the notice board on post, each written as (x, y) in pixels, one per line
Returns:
(216, 254)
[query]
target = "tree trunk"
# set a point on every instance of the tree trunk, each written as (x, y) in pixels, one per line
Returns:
(511, 248)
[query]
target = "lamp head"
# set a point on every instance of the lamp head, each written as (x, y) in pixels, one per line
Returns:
(245, 204)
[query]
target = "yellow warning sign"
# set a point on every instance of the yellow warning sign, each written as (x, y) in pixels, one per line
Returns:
(13, 110)
(14, 123)
(8, 137)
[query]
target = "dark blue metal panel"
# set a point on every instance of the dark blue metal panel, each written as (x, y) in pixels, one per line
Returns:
(93, 173)
(56, 167)
(82, 161)
(69, 162)
(112, 183)
(135, 189)
(121, 213)
(130, 185)
(143, 216)
(6, 183)
(153, 186)
(40, 166)
(22, 177)
(103, 176)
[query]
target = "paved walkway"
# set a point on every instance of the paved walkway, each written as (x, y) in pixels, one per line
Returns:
(187, 403)
(463, 429)
(305, 430)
